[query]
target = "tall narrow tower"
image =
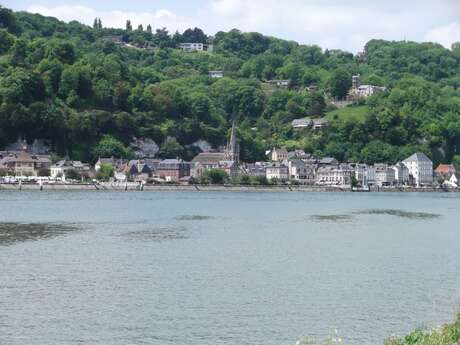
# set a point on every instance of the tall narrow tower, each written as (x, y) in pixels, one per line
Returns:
(232, 151)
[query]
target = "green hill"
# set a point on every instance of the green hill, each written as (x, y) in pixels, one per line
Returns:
(90, 90)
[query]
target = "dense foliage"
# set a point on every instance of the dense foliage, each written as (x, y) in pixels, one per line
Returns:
(88, 96)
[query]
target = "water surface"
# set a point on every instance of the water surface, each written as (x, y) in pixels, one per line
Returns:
(224, 268)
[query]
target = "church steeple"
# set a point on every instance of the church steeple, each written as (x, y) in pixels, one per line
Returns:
(232, 151)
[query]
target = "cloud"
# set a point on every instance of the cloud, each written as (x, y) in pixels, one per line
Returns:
(328, 23)
(158, 19)
(446, 35)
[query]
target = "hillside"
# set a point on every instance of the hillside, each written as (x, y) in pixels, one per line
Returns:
(89, 94)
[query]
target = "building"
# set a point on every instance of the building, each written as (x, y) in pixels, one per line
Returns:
(116, 163)
(216, 74)
(195, 47)
(63, 166)
(278, 155)
(453, 181)
(445, 171)
(281, 84)
(401, 174)
(228, 159)
(318, 124)
(24, 163)
(334, 176)
(277, 171)
(172, 170)
(384, 175)
(420, 169)
(327, 161)
(302, 123)
(301, 172)
(363, 91)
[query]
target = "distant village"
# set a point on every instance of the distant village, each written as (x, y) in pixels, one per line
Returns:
(29, 163)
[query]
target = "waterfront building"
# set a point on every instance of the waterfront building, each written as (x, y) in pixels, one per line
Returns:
(277, 171)
(334, 176)
(384, 175)
(61, 167)
(420, 169)
(227, 160)
(301, 172)
(172, 170)
(24, 163)
(445, 171)
(401, 174)
(116, 163)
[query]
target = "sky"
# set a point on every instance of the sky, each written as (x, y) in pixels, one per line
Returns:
(333, 24)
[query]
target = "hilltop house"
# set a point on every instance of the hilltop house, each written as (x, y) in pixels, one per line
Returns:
(302, 123)
(195, 47)
(363, 91)
(420, 169)
(216, 74)
(281, 84)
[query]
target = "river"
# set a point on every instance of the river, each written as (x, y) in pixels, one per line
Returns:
(123, 268)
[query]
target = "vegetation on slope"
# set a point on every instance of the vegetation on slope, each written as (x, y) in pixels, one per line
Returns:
(70, 85)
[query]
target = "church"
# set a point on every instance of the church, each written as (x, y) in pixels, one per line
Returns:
(227, 160)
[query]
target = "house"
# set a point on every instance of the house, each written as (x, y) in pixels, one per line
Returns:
(278, 155)
(216, 74)
(302, 123)
(453, 181)
(301, 172)
(281, 84)
(61, 167)
(277, 171)
(384, 175)
(363, 91)
(334, 176)
(173, 169)
(401, 174)
(420, 169)
(254, 169)
(445, 171)
(328, 161)
(116, 163)
(25, 163)
(195, 47)
(138, 170)
(116, 39)
(361, 174)
(318, 124)
(299, 154)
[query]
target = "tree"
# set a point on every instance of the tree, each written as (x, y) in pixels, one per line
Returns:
(72, 174)
(456, 162)
(8, 20)
(149, 28)
(108, 146)
(140, 27)
(340, 83)
(171, 148)
(129, 26)
(95, 24)
(105, 172)
(215, 176)
(6, 41)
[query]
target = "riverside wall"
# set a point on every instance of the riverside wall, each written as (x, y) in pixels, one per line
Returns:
(206, 188)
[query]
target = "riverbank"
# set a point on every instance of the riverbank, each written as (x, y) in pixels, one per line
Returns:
(208, 188)
(445, 335)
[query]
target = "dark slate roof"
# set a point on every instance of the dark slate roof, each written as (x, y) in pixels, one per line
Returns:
(418, 157)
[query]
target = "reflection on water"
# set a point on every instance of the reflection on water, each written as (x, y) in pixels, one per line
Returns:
(191, 217)
(399, 213)
(159, 234)
(11, 233)
(331, 217)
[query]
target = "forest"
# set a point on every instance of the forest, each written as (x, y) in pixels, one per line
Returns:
(87, 96)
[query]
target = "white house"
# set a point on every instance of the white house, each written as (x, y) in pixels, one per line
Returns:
(278, 155)
(195, 47)
(277, 171)
(334, 176)
(401, 173)
(384, 175)
(61, 167)
(216, 74)
(420, 169)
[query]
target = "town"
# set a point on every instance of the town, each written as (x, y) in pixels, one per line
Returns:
(23, 163)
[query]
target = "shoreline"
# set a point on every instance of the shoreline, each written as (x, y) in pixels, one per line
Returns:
(213, 188)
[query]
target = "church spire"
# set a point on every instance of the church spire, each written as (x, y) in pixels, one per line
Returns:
(232, 151)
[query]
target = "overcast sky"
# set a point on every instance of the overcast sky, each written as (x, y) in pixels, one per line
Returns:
(340, 24)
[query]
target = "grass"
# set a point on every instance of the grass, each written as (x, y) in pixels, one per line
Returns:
(356, 113)
(445, 335)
